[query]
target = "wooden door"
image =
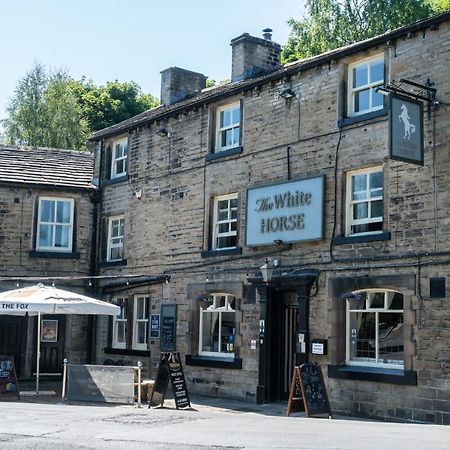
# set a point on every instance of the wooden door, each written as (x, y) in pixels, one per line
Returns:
(52, 344)
(11, 332)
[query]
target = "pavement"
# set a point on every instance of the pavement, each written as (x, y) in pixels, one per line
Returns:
(45, 421)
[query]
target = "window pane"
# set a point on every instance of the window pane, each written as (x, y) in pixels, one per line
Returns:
(377, 99)
(376, 180)
(390, 337)
(123, 308)
(120, 166)
(362, 336)
(47, 211)
(359, 183)
(141, 337)
(362, 100)
(210, 332)
(397, 301)
(233, 226)
(225, 242)
(236, 115)
(360, 211)
(236, 136)
(61, 236)
(63, 212)
(377, 299)
(228, 328)
(140, 309)
(116, 253)
(222, 204)
(376, 209)
(360, 77)
(233, 202)
(45, 235)
(225, 118)
(121, 331)
(377, 71)
(119, 151)
(224, 228)
(223, 215)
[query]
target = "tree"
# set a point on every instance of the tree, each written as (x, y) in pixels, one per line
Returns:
(112, 103)
(439, 5)
(45, 112)
(330, 24)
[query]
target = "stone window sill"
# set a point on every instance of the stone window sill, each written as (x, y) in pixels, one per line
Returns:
(126, 351)
(363, 117)
(53, 255)
(383, 236)
(224, 154)
(381, 375)
(229, 251)
(220, 363)
(106, 264)
(115, 180)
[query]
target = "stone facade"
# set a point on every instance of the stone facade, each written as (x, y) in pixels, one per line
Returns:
(167, 204)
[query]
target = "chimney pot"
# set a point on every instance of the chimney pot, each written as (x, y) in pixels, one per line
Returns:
(267, 33)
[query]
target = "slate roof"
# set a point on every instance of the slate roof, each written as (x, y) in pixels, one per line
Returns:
(226, 90)
(46, 167)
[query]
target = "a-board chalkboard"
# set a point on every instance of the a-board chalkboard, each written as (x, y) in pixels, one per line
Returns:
(170, 367)
(168, 327)
(313, 392)
(111, 384)
(8, 378)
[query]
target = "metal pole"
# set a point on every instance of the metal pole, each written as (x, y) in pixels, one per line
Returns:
(63, 393)
(139, 364)
(38, 352)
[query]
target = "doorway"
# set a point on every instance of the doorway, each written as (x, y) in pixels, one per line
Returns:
(283, 323)
(11, 332)
(52, 344)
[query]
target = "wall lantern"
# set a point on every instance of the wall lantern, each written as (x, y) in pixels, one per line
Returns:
(162, 132)
(267, 271)
(287, 94)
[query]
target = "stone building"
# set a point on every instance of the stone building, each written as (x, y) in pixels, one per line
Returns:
(263, 223)
(47, 205)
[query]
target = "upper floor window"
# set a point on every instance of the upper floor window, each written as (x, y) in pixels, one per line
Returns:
(55, 224)
(228, 127)
(115, 238)
(218, 326)
(365, 201)
(119, 335)
(140, 322)
(119, 158)
(225, 222)
(375, 335)
(363, 79)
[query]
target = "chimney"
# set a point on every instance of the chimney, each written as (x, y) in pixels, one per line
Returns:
(178, 84)
(254, 56)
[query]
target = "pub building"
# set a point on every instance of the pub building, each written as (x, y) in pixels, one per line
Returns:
(297, 213)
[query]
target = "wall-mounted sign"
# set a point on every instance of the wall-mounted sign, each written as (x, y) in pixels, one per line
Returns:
(289, 212)
(405, 129)
(154, 326)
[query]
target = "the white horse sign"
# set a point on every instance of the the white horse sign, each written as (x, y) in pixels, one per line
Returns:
(406, 129)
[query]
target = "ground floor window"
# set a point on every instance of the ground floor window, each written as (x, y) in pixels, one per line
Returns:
(119, 338)
(140, 322)
(375, 334)
(217, 326)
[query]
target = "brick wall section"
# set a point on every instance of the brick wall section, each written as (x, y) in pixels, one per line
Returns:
(168, 228)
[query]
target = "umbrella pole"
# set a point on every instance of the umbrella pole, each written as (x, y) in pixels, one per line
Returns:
(38, 353)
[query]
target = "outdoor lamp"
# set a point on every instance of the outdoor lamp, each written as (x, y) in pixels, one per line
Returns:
(287, 93)
(162, 132)
(266, 271)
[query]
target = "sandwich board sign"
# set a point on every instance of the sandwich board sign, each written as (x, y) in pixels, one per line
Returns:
(405, 129)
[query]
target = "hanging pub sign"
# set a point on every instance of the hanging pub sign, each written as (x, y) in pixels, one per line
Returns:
(405, 129)
(286, 212)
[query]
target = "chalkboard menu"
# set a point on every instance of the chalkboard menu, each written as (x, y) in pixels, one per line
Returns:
(308, 389)
(170, 367)
(168, 327)
(95, 383)
(8, 378)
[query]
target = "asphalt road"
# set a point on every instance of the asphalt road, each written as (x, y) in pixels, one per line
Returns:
(207, 425)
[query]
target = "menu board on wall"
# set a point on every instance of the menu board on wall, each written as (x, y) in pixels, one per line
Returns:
(168, 327)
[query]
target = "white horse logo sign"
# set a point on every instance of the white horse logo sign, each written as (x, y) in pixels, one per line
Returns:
(405, 129)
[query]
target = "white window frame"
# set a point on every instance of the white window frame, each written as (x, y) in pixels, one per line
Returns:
(123, 145)
(112, 245)
(370, 85)
(138, 320)
(376, 311)
(232, 126)
(216, 222)
(121, 318)
(55, 224)
(350, 203)
(214, 309)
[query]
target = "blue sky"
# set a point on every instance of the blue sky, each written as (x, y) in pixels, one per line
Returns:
(131, 39)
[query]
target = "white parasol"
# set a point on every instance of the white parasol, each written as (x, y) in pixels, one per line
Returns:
(40, 299)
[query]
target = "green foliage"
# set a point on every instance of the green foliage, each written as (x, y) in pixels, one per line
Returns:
(439, 5)
(44, 112)
(112, 103)
(331, 24)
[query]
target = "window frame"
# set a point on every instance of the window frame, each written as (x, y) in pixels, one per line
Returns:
(349, 203)
(218, 148)
(218, 310)
(370, 85)
(216, 222)
(121, 318)
(136, 321)
(376, 311)
(123, 142)
(54, 224)
(110, 237)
